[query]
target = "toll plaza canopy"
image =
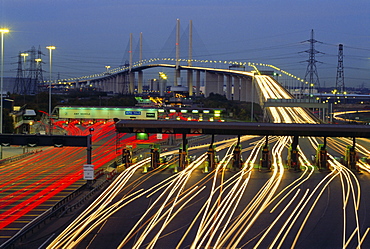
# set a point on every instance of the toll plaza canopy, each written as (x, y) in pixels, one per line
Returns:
(240, 128)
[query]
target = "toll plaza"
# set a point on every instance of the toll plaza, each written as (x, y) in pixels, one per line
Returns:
(262, 129)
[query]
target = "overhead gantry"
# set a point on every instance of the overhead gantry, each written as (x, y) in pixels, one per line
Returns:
(262, 129)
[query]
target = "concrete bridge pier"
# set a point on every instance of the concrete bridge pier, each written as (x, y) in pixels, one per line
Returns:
(243, 89)
(115, 84)
(197, 83)
(211, 83)
(111, 84)
(229, 86)
(103, 82)
(140, 82)
(236, 88)
(190, 82)
(120, 82)
(132, 83)
(220, 84)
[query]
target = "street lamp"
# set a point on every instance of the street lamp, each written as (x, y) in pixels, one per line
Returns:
(107, 70)
(51, 48)
(2, 31)
(24, 66)
(24, 58)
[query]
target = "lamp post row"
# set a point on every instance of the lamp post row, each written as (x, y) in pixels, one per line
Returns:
(2, 31)
(50, 48)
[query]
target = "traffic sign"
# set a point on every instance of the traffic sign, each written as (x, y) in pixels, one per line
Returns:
(88, 172)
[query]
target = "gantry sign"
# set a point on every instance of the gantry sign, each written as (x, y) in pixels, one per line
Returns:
(241, 128)
(48, 140)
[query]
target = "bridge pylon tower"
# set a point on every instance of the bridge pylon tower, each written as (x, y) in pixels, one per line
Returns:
(177, 69)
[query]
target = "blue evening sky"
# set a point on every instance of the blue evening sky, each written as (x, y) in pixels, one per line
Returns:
(90, 34)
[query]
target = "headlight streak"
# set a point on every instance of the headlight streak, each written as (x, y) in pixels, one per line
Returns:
(342, 172)
(295, 184)
(340, 143)
(242, 224)
(218, 148)
(174, 189)
(152, 243)
(154, 240)
(73, 230)
(277, 219)
(228, 183)
(219, 209)
(208, 202)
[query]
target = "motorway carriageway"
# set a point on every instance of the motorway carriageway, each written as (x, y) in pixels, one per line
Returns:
(32, 185)
(228, 209)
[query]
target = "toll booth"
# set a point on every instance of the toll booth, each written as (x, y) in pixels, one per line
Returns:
(155, 155)
(126, 157)
(322, 157)
(293, 155)
(211, 161)
(265, 162)
(237, 157)
(183, 153)
(350, 158)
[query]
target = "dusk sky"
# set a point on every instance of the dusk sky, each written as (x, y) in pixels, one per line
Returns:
(90, 34)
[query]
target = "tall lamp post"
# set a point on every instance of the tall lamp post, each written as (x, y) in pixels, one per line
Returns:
(51, 48)
(2, 31)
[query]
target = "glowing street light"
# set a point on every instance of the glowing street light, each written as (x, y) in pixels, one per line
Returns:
(24, 56)
(24, 59)
(51, 48)
(2, 31)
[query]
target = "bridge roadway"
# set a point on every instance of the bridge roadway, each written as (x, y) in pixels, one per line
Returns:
(214, 80)
(241, 128)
